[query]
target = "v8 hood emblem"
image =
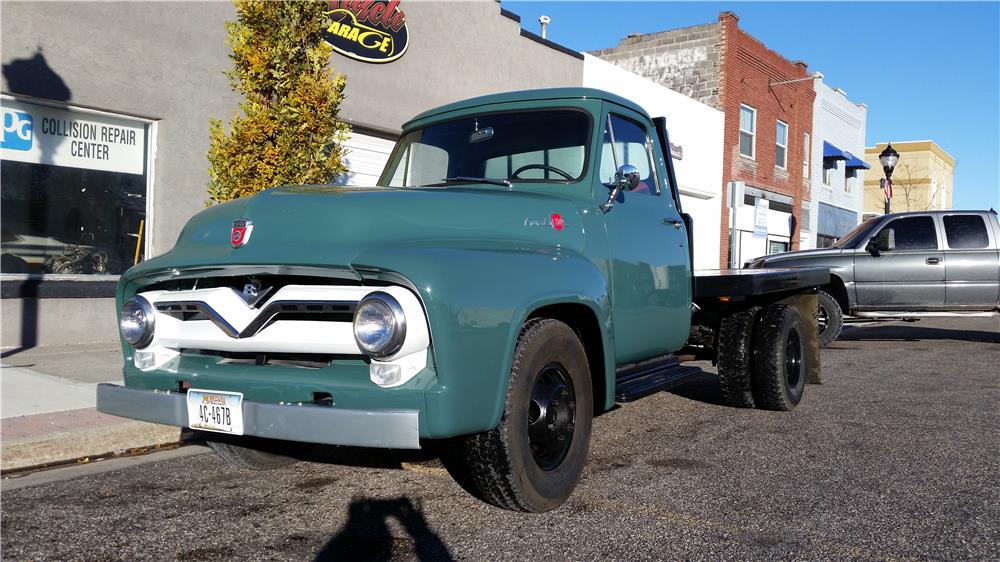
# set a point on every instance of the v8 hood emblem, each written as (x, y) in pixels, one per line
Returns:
(240, 235)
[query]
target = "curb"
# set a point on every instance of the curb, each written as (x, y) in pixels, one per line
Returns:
(72, 445)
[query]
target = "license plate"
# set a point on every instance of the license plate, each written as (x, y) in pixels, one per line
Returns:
(214, 410)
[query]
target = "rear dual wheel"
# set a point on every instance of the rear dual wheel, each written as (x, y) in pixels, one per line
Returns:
(778, 370)
(762, 358)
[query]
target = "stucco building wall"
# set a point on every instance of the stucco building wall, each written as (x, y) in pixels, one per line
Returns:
(923, 180)
(165, 62)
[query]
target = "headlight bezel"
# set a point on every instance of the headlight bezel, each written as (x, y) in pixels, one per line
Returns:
(149, 323)
(398, 335)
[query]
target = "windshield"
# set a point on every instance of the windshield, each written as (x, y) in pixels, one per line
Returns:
(546, 146)
(851, 239)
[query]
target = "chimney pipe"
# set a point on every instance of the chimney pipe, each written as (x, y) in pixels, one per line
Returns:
(545, 20)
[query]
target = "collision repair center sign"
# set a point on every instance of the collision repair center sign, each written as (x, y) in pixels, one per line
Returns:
(367, 30)
(57, 137)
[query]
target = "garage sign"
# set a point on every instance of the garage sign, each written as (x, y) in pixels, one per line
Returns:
(367, 30)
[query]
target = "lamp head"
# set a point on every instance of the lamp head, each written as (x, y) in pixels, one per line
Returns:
(888, 158)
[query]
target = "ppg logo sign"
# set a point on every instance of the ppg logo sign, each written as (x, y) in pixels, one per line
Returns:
(17, 130)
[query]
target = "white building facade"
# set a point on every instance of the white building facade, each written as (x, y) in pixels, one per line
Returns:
(696, 134)
(836, 167)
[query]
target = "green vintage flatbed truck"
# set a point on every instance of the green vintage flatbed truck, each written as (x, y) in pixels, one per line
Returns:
(522, 265)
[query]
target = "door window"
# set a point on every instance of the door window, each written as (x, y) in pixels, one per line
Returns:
(966, 232)
(632, 146)
(914, 233)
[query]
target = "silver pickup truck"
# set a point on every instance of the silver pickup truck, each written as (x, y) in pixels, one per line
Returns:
(906, 265)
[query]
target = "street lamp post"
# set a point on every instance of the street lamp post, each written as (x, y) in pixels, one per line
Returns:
(888, 158)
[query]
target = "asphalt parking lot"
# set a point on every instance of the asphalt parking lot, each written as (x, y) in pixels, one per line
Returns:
(895, 456)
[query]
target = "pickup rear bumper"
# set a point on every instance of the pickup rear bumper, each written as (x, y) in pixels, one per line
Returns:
(388, 429)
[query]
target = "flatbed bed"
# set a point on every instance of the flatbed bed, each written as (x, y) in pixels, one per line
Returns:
(716, 283)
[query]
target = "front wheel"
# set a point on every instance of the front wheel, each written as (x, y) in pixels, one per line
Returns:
(251, 452)
(829, 317)
(533, 460)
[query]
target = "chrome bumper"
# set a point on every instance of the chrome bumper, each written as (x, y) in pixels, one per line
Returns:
(388, 429)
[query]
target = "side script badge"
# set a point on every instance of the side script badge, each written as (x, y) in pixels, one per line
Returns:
(241, 232)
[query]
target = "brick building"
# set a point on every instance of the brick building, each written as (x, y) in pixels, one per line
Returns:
(768, 123)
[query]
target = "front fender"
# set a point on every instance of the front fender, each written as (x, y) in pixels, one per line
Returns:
(476, 301)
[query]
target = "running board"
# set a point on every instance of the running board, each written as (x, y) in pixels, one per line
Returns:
(639, 380)
(929, 314)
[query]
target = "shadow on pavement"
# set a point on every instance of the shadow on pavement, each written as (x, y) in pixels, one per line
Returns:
(361, 457)
(369, 458)
(366, 534)
(915, 333)
(703, 388)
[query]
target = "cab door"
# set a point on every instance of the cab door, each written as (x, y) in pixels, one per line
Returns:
(972, 275)
(909, 277)
(647, 241)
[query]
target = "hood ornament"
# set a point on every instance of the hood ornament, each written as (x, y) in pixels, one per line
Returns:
(242, 228)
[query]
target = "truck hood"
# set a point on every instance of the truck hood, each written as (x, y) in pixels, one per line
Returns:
(800, 257)
(326, 226)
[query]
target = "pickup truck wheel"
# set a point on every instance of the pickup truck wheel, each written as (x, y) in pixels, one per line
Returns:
(830, 318)
(778, 371)
(532, 461)
(249, 452)
(733, 358)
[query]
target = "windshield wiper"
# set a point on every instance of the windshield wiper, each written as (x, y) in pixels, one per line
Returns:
(470, 179)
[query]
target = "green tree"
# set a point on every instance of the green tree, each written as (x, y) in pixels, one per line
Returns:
(286, 130)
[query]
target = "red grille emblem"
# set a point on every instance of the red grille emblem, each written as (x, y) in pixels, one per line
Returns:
(241, 233)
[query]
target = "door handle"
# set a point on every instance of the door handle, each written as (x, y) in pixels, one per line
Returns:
(677, 224)
(932, 261)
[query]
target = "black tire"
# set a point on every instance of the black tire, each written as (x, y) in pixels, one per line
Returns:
(778, 363)
(250, 452)
(522, 465)
(831, 318)
(733, 358)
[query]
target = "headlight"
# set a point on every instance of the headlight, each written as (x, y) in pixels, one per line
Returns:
(379, 325)
(136, 322)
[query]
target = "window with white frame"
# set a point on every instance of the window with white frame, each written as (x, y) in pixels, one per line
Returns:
(76, 186)
(828, 169)
(848, 174)
(748, 129)
(781, 145)
(805, 155)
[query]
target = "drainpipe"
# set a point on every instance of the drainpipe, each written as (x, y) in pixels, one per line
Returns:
(544, 20)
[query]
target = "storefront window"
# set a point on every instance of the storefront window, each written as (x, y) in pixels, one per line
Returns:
(74, 190)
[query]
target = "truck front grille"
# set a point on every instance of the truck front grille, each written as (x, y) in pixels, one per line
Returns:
(322, 311)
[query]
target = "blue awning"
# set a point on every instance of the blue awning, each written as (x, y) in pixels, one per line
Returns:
(831, 152)
(855, 162)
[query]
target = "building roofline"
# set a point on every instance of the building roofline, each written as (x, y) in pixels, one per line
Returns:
(914, 145)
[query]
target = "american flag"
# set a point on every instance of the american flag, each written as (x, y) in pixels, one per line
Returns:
(886, 189)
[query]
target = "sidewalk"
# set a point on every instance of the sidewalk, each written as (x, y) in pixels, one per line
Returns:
(47, 399)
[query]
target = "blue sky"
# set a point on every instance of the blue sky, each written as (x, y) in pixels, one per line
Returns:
(926, 70)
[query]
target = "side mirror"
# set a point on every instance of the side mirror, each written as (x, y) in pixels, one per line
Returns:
(627, 177)
(884, 242)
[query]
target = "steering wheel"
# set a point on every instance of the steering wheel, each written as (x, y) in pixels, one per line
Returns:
(541, 167)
